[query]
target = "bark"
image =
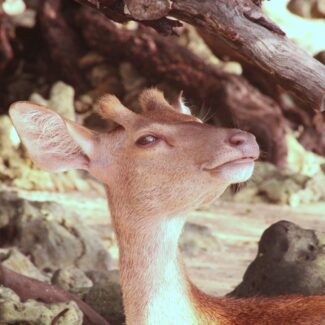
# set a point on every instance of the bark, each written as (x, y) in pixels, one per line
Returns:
(159, 59)
(114, 10)
(28, 288)
(247, 30)
(148, 9)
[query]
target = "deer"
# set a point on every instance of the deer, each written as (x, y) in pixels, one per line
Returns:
(156, 166)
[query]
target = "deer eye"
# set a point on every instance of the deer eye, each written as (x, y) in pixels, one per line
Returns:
(147, 140)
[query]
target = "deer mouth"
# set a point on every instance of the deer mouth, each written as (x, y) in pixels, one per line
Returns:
(235, 170)
(238, 161)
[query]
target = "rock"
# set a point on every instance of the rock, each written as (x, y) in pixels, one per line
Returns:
(9, 203)
(197, 239)
(52, 236)
(290, 260)
(105, 296)
(13, 7)
(50, 244)
(73, 280)
(13, 311)
(8, 137)
(38, 99)
(191, 39)
(279, 193)
(272, 185)
(56, 238)
(95, 255)
(134, 83)
(105, 79)
(27, 19)
(313, 191)
(300, 160)
(84, 104)
(61, 100)
(13, 259)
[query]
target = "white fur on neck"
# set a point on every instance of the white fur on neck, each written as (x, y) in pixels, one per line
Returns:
(154, 288)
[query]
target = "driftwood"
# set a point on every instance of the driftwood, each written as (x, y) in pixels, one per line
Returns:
(157, 58)
(28, 288)
(6, 51)
(241, 24)
(63, 44)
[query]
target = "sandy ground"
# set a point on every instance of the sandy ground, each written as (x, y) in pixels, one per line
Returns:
(237, 228)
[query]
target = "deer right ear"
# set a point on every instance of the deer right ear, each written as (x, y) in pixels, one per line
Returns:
(53, 143)
(180, 106)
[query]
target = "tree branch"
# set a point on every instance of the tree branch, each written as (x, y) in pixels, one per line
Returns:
(262, 45)
(242, 24)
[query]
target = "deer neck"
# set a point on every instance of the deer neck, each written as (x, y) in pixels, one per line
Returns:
(154, 285)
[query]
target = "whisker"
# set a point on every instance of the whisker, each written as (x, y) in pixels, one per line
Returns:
(201, 112)
(235, 188)
(206, 114)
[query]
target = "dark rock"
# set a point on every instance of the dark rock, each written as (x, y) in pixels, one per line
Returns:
(105, 296)
(290, 260)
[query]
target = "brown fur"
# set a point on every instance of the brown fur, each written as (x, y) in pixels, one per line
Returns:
(297, 310)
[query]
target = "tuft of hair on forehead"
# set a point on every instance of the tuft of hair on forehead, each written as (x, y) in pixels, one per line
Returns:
(151, 99)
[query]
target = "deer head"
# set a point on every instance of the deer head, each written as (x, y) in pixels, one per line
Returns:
(162, 160)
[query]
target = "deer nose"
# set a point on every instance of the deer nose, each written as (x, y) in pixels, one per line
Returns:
(240, 138)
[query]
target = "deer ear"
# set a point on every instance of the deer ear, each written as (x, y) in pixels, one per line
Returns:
(53, 143)
(179, 105)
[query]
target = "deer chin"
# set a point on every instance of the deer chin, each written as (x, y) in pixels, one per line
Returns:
(235, 171)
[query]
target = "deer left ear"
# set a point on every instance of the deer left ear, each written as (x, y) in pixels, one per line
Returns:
(53, 143)
(180, 106)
